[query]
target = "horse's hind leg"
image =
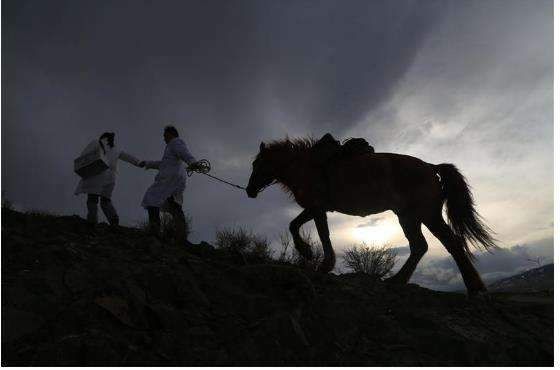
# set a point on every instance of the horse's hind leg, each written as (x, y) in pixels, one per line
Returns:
(418, 247)
(443, 232)
(322, 225)
(301, 246)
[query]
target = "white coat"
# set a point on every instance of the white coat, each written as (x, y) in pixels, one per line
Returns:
(104, 183)
(171, 178)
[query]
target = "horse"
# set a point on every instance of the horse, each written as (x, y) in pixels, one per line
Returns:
(370, 183)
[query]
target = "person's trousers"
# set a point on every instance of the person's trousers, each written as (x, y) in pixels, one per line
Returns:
(106, 206)
(179, 223)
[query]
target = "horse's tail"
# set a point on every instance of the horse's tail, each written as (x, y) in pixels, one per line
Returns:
(463, 218)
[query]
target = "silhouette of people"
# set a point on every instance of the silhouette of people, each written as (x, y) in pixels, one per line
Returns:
(103, 184)
(166, 193)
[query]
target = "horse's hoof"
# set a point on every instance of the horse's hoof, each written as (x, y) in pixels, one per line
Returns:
(324, 270)
(326, 267)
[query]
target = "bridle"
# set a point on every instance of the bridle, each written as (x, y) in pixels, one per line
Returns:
(275, 181)
(262, 188)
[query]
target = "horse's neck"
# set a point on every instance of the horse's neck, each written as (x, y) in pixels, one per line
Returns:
(289, 174)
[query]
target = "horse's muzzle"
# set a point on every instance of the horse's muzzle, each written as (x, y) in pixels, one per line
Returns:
(251, 193)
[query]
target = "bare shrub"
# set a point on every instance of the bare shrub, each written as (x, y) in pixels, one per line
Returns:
(290, 255)
(245, 242)
(370, 260)
(167, 225)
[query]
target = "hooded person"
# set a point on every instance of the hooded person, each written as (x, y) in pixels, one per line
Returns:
(103, 184)
(166, 193)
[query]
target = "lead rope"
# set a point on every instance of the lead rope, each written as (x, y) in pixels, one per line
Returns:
(204, 167)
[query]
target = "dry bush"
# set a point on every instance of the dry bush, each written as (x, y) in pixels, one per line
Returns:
(167, 225)
(245, 242)
(370, 260)
(290, 255)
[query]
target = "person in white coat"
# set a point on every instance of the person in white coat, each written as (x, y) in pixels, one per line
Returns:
(102, 185)
(166, 192)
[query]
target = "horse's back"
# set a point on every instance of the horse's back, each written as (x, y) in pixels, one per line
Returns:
(387, 180)
(390, 164)
(415, 181)
(404, 169)
(401, 159)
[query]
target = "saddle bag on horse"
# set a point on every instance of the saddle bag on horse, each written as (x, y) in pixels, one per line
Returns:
(328, 149)
(325, 149)
(355, 146)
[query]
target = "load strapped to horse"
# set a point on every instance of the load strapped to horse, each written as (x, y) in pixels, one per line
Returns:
(327, 149)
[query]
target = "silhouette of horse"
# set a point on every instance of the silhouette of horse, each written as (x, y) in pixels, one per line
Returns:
(370, 183)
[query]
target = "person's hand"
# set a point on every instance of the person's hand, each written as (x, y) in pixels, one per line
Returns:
(196, 166)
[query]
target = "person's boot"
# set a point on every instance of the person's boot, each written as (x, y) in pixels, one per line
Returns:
(114, 224)
(154, 230)
(154, 222)
(91, 214)
(91, 228)
(181, 231)
(179, 224)
(110, 213)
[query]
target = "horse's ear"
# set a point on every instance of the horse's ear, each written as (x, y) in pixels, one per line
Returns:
(262, 146)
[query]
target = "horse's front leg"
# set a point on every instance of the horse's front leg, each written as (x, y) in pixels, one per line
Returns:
(301, 246)
(329, 258)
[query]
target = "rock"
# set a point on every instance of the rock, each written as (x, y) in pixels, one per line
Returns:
(285, 280)
(117, 306)
(150, 245)
(200, 334)
(17, 323)
(285, 329)
(169, 318)
(135, 291)
(77, 279)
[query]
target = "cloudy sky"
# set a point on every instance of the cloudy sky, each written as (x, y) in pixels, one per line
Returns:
(467, 82)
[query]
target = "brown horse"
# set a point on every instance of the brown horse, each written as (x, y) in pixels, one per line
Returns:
(371, 183)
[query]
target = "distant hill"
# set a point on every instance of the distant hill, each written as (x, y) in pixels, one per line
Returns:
(71, 296)
(535, 280)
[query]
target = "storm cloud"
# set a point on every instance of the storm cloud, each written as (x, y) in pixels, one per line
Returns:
(227, 74)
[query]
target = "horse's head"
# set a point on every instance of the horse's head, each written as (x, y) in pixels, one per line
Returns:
(263, 172)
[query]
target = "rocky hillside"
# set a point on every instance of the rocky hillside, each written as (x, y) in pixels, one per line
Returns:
(539, 279)
(75, 297)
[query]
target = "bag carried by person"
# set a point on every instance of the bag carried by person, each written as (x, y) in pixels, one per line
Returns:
(91, 161)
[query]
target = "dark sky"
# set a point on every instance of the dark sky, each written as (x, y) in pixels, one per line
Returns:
(229, 74)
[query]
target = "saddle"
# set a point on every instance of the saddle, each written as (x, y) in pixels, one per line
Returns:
(327, 149)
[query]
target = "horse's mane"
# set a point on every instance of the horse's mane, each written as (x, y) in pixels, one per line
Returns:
(291, 145)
